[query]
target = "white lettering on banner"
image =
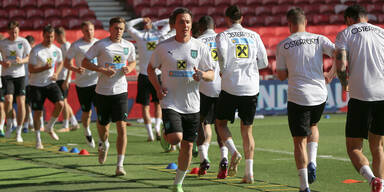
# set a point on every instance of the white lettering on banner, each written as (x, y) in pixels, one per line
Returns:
(282, 91)
(268, 98)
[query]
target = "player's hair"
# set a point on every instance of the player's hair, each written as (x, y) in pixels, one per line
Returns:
(30, 39)
(86, 23)
(177, 11)
(355, 12)
(48, 29)
(233, 12)
(13, 24)
(206, 22)
(296, 16)
(195, 29)
(60, 30)
(116, 20)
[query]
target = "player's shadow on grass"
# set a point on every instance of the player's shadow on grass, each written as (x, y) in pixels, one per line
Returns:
(20, 169)
(31, 177)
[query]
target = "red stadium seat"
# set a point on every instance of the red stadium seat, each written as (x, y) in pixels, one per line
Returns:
(239, 2)
(374, 8)
(284, 2)
(310, 9)
(55, 22)
(16, 14)
(141, 3)
(34, 13)
(174, 3)
(197, 12)
(79, 3)
(247, 11)
(282, 31)
(3, 24)
(299, 2)
(63, 3)
(69, 13)
(271, 43)
(4, 14)
(25, 24)
(164, 12)
(283, 20)
(27, 4)
(281, 9)
(263, 10)
(380, 18)
(269, 2)
(147, 12)
(38, 23)
(97, 23)
(73, 23)
(7, 4)
(190, 4)
(50, 13)
(336, 19)
(265, 32)
(320, 19)
(220, 21)
(253, 2)
(206, 3)
(158, 3)
(224, 3)
(272, 20)
(45, 4)
(86, 14)
(326, 8)
(254, 21)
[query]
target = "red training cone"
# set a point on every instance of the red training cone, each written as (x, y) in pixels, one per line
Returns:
(84, 152)
(195, 170)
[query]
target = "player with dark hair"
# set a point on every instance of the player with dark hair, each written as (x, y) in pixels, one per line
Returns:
(361, 46)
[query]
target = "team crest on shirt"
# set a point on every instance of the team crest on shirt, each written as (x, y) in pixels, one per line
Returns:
(214, 54)
(117, 59)
(12, 55)
(194, 53)
(20, 45)
(151, 45)
(181, 65)
(126, 51)
(54, 53)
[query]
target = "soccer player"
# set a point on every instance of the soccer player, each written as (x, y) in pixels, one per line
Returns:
(241, 55)
(209, 94)
(299, 58)
(146, 41)
(112, 53)
(360, 45)
(28, 119)
(183, 61)
(85, 79)
(2, 112)
(15, 52)
(63, 81)
(44, 57)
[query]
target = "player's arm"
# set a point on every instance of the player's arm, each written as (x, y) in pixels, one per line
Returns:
(164, 23)
(282, 74)
(160, 91)
(86, 63)
(23, 60)
(36, 69)
(130, 67)
(341, 67)
(69, 65)
(59, 67)
(132, 30)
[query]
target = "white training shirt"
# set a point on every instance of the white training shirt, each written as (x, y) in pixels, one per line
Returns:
(115, 55)
(77, 51)
(168, 35)
(12, 49)
(211, 88)
(364, 44)
(146, 42)
(302, 55)
(241, 55)
(64, 72)
(176, 62)
(39, 56)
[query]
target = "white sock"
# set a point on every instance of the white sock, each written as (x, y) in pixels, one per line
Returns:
(312, 152)
(205, 151)
(206, 146)
(120, 160)
(30, 120)
(105, 143)
(2, 124)
(201, 149)
(224, 152)
(18, 130)
(87, 131)
(367, 173)
(73, 120)
(42, 121)
(51, 123)
(303, 178)
(149, 130)
(38, 139)
(179, 177)
(14, 121)
(157, 124)
(231, 146)
(9, 123)
(249, 167)
(26, 125)
(65, 123)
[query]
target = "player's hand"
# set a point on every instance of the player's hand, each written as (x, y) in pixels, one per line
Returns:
(7, 63)
(54, 77)
(65, 85)
(18, 60)
(79, 70)
(346, 88)
(109, 71)
(125, 70)
(49, 65)
(198, 75)
(161, 93)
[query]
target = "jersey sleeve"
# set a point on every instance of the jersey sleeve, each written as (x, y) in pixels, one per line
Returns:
(206, 62)
(33, 57)
(71, 51)
(341, 41)
(155, 58)
(132, 53)
(280, 58)
(59, 56)
(262, 58)
(327, 46)
(93, 51)
(164, 23)
(136, 34)
(222, 50)
(27, 48)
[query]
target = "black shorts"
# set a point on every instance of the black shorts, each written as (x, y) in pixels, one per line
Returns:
(28, 94)
(39, 94)
(364, 116)
(228, 104)
(13, 86)
(64, 92)
(301, 118)
(2, 99)
(111, 108)
(144, 89)
(86, 96)
(207, 108)
(177, 122)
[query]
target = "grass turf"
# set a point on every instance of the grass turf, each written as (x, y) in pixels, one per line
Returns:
(23, 168)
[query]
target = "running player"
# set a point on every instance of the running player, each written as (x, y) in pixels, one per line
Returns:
(360, 45)
(209, 94)
(112, 53)
(63, 81)
(146, 41)
(15, 51)
(302, 65)
(28, 119)
(85, 79)
(44, 58)
(241, 55)
(183, 61)
(2, 112)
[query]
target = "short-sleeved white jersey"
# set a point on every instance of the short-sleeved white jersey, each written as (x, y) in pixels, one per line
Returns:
(364, 44)
(176, 61)
(211, 88)
(12, 49)
(302, 55)
(64, 72)
(40, 56)
(168, 35)
(146, 42)
(77, 51)
(115, 55)
(241, 55)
